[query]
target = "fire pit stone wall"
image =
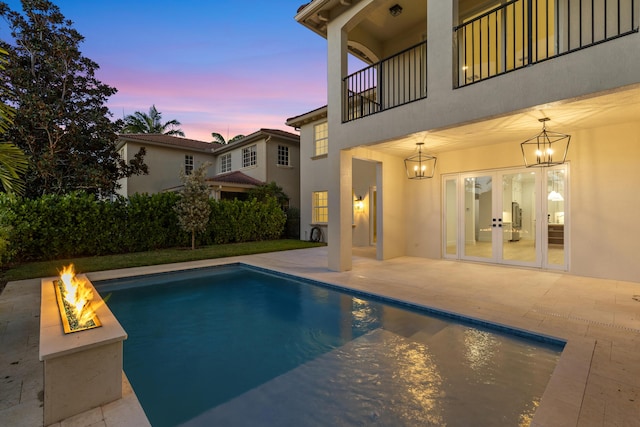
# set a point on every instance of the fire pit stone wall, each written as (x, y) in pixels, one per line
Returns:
(82, 370)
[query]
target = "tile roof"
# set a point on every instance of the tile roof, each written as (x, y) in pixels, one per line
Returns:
(235, 177)
(263, 133)
(168, 140)
(278, 132)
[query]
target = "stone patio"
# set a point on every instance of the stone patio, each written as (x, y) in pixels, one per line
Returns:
(596, 383)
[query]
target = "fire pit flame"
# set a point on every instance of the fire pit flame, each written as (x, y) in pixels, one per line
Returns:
(74, 301)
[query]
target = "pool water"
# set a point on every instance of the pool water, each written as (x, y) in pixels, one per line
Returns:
(233, 346)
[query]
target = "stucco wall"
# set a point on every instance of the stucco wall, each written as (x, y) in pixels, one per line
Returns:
(364, 179)
(561, 78)
(164, 165)
(287, 177)
(604, 206)
(605, 238)
(313, 177)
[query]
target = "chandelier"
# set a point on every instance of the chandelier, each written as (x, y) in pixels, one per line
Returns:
(545, 149)
(420, 166)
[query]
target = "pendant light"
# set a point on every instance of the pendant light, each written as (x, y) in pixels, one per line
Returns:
(545, 149)
(420, 166)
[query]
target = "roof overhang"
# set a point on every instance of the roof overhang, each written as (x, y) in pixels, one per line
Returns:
(312, 116)
(262, 134)
(165, 141)
(315, 14)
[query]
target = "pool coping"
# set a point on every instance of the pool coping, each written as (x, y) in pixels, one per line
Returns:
(562, 399)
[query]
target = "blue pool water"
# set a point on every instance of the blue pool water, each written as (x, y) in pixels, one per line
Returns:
(233, 346)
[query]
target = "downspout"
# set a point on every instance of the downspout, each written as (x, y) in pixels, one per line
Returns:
(266, 168)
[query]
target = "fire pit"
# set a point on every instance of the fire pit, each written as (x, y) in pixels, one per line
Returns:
(75, 298)
(81, 351)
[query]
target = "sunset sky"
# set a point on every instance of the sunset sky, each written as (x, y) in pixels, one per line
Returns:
(230, 67)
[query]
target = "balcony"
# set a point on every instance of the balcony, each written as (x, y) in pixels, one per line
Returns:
(394, 81)
(521, 33)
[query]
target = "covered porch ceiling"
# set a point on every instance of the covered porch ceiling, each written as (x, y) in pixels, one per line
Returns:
(566, 117)
(377, 26)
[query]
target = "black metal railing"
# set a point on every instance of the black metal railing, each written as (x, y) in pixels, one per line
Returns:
(520, 33)
(397, 80)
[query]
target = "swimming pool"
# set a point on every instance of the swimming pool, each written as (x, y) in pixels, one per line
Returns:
(235, 345)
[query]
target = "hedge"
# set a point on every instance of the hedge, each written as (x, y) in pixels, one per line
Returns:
(78, 224)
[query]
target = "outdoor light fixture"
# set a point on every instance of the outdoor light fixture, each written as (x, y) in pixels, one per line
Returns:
(545, 149)
(395, 10)
(358, 204)
(420, 166)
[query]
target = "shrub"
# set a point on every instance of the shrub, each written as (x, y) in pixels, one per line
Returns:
(6, 227)
(234, 221)
(77, 224)
(292, 226)
(152, 222)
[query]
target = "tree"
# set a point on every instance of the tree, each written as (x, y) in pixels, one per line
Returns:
(13, 162)
(217, 138)
(193, 208)
(140, 122)
(61, 123)
(262, 192)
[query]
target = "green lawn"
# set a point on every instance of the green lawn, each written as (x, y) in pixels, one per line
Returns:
(165, 256)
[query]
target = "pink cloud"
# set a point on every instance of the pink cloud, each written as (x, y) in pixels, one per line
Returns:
(206, 102)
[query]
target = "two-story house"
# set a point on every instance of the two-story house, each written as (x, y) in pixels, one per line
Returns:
(166, 156)
(496, 131)
(267, 155)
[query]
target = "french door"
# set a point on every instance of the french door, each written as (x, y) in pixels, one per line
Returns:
(513, 216)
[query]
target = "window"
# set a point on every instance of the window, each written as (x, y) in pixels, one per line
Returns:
(188, 164)
(321, 138)
(283, 155)
(320, 207)
(225, 163)
(249, 156)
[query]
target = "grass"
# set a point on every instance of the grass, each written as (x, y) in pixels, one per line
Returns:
(138, 259)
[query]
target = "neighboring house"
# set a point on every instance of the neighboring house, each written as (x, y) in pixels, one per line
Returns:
(166, 157)
(268, 155)
(262, 157)
(471, 81)
(315, 180)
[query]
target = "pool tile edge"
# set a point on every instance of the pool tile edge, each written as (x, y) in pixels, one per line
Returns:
(562, 400)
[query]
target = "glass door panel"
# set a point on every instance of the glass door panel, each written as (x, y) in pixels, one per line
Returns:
(451, 218)
(519, 208)
(514, 217)
(477, 217)
(555, 199)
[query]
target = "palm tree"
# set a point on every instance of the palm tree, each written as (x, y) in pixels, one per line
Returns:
(140, 122)
(217, 138)
(13, 161)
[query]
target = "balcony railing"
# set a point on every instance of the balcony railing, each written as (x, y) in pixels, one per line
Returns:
(397, 80)
(523, 32)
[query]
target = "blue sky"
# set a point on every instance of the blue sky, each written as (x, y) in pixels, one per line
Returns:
(230, 67)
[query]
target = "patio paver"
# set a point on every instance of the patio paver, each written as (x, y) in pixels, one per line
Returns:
(600, 317)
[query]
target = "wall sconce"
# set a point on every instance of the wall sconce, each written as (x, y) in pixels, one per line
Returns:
(545, 149)
(358, 204)
(420, 166)
(395, 10)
